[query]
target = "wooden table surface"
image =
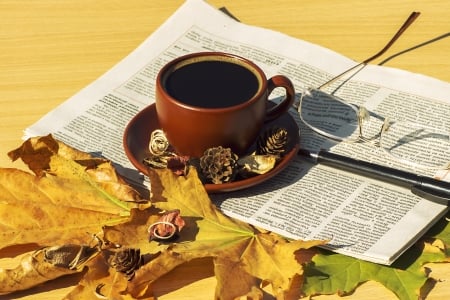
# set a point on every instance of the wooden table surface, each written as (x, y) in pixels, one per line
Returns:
(50, 49)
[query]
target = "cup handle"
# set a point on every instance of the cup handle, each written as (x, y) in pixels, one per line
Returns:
(282, 107)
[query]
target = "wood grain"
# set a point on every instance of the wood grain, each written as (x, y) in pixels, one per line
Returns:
(50, 49)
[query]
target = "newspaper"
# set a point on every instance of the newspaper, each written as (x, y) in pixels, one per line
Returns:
(363, 218)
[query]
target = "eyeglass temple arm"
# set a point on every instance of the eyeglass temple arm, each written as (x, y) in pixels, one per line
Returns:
(412, 17)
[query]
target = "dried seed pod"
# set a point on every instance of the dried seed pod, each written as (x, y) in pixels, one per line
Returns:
(127, 261)
(45, 264)
(167, 226)
(256, 164)
(69, 256)
(272, 141)
(218, 165)
(158, 144)
(159, 150)
(156, 162)
(178, 164)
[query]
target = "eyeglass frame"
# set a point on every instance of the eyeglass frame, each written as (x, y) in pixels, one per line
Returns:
(362, 112)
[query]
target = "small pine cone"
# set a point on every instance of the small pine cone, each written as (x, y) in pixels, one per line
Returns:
(127, 261)
(272, 141)
(218, 164)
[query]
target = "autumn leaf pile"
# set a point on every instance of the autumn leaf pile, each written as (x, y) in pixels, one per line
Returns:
(79, 201)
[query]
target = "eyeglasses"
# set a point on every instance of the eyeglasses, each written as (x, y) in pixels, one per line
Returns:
(340, 121)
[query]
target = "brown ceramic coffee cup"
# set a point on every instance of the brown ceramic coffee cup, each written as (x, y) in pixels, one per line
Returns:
(211, 99)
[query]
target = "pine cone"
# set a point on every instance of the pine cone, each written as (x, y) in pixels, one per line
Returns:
(218, 164)
(272, 141)
(127, 261)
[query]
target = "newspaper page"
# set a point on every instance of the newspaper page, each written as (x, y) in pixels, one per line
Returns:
(363, 218)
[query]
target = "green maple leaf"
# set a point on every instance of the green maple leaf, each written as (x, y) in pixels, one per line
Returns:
(333, 273)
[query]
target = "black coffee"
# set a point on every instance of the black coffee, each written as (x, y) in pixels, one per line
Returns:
(212, 84)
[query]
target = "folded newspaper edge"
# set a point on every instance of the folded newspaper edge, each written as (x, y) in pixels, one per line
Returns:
(363, 218)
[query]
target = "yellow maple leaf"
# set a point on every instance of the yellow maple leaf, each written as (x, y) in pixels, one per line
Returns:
(46, 156)
(69, 186)
(68, 200)
(244, 258)
(73, 193)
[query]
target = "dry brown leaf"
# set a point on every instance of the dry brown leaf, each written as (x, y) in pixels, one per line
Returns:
(235, 284)
(45, 155)
(69, 199)
(253, 258)
(71, 186)
(73, 194)
(44, 265)
(28, 221)
(92, 285)
(131, 234)
(19, 187)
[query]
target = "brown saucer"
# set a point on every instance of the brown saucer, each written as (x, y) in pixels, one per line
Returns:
(137, 135)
